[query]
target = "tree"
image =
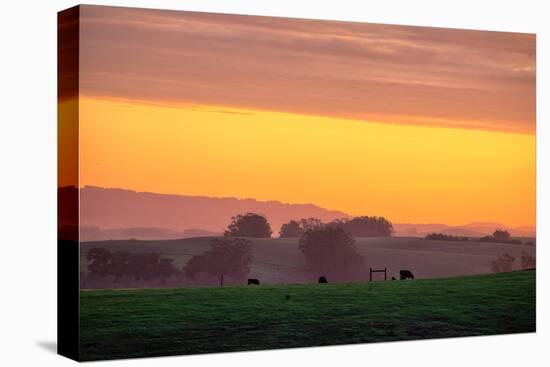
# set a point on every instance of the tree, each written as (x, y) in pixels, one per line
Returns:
(528, 261)
(331, 251)
(226, 257)
(445, 237)
(294, 229)
(122, 264)
(503, 263)
(501, 235)
(310, 224)
(290, 230)
(146, 266)
(366, 226)
(99, 260)
(166, 269)
(248, 225)
(197, 264)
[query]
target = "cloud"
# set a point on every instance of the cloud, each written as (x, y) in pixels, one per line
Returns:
(392, 73)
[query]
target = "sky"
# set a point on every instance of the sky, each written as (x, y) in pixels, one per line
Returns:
(414, 124)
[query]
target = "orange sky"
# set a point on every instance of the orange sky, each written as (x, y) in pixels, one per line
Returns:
(406, 173)
(415, 124)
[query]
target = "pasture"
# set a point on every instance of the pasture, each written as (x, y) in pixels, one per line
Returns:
(278, 260)
(147, 322)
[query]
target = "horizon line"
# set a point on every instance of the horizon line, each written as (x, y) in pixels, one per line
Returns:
(506, 226)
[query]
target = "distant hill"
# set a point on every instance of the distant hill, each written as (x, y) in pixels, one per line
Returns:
(92, 233)
(119, 213)
(124, 214)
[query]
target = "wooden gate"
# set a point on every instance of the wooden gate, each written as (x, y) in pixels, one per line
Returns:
(378, 271)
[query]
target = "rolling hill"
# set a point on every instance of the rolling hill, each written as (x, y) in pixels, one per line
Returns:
(109, 213)
(278, 261)
(121, 210)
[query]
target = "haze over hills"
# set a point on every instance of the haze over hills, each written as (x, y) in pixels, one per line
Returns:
(279, 261)
(109, 213)
(171, 215)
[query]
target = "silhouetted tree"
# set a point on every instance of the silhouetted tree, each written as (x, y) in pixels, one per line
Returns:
(503, 263)
(308, 224)
(291, 229)
(297, 228)
(248, 225)
(122, 264)
(331, 251)
(197, 264)
(99, 261)
(366, 226)
(501, 235)
(528, 261)
(166, 269)
(145, 266)
(445, 237)
(226, 257)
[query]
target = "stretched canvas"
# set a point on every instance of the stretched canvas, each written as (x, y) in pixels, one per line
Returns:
(234, 183)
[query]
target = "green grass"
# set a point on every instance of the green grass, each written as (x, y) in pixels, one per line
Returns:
(151, 322)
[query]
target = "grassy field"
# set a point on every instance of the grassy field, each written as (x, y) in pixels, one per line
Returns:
(147, 322)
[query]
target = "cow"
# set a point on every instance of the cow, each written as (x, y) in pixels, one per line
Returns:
(392, 278)
(405, 274)
(322, 279)
(253, 281)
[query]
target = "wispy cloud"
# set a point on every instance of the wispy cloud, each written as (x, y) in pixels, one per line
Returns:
(409, 75)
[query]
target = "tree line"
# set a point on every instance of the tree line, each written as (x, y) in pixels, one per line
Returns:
(363, 226)
(257, 226)
(123, 265)
(328, 248)
(498, 236)
(501, 236)
(445, 237)
(506, 262)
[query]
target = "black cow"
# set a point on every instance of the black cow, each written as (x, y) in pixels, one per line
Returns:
(253, 281)
(322, 280)
(405, 274)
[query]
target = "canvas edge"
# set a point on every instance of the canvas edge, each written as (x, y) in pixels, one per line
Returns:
(68, 257)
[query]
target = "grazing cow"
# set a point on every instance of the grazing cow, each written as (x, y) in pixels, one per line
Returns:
(322, 280)
(253, 281)
(405, 274)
